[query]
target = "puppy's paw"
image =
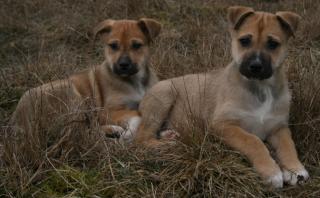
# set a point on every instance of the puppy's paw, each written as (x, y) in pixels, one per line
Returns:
(169, 134)
(275, 180)
(112, 131)
(127, 135)
(117, 129)
(130, 132)
(293, 177)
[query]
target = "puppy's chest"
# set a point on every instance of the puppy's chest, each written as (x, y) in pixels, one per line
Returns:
(262, 116)
(264, 112)
(133, 99)
(130, 98)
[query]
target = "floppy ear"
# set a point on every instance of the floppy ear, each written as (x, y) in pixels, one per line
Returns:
(103, 27)
(289, 21)
(237, 15)
(150, 28)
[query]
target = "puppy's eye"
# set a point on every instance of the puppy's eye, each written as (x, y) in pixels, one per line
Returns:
(114, 46)
(272, 45)
(245, 42)
(136, 46)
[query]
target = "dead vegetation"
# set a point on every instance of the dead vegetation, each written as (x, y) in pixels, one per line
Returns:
(44, 40)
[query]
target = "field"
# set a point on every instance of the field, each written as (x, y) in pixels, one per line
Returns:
(43, 40)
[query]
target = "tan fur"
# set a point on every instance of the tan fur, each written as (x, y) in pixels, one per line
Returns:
(99, 88)
(229, 102)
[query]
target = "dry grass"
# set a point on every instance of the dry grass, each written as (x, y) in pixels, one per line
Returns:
(45, 40)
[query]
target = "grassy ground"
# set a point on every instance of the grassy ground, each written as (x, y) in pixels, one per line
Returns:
(42, 40)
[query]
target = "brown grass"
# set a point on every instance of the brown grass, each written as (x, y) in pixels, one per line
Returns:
(45, 40)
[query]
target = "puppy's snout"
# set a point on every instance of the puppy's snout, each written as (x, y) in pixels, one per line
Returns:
(125, 67)
(124, 63)
(256, 67)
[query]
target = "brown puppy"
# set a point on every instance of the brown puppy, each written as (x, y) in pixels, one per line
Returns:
(115, 87)
(245, 103)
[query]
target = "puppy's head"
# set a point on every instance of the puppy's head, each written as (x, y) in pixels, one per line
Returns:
(260, 39)
(127, 43)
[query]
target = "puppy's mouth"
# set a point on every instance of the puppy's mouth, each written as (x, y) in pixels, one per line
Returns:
(125, 67)
(125, 71)
(256, 66)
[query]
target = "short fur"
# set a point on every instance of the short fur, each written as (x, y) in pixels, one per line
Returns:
(241, 110)
(115, 97)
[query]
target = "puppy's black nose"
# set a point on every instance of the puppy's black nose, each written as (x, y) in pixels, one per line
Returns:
(255, 67)
(124, 63)
(124, 66)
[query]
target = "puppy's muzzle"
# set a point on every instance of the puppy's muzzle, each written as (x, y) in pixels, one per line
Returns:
(256, 66)
(125, 67)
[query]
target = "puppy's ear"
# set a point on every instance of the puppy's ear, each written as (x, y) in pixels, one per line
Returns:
(237, 15)
(289, 21)
(103, 27)
(150, 28)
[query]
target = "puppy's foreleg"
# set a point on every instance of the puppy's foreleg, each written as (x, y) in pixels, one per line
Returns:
(112, 131)
(126, 124)
(126, 131)
(131, 129)
(292, 169)
(254, 149)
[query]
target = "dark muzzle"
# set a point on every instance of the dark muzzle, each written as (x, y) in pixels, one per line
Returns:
(125, 67)
(256, 66)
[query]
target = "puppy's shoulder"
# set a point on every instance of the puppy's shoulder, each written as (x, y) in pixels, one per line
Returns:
(81, 82)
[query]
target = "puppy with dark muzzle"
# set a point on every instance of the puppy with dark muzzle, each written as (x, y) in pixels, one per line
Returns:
(245, 103)
(114, 88)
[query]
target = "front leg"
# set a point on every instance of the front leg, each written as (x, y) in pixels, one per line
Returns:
(253, 148)
(132, 127)
(126, 123)
(292, 169)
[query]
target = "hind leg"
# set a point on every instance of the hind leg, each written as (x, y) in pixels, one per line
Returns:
(169, 134)
(155, 109)
(147, 132)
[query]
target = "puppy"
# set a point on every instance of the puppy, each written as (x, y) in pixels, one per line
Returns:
(245, 103)
(114, 88)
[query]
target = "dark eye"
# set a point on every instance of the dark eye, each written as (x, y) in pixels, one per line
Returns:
(114, 46)
(136, 46)
(245, 42)
(272, 45)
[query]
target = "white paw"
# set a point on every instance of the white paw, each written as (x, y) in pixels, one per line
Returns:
(127, 135)
(276, 180)
(117, 129)
(130, 132)
(294, 177)
(112, 131)
(169, 135)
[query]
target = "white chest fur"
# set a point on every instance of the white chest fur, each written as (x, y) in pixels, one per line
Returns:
(133, 97)
(262, 117)
(264, 111)
(138, 93)
(257, 116)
